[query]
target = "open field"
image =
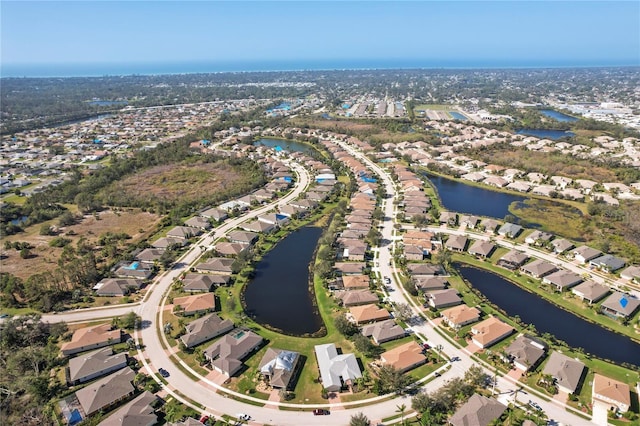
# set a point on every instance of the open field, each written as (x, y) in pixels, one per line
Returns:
(434, 107)
(178, 181)
(135, 223)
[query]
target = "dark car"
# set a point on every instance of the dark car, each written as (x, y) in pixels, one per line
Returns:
(321, 412)
(163, 372)
(437, 374)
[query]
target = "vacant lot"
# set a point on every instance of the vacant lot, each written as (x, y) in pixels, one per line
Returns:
(182, 182)
(133, 222)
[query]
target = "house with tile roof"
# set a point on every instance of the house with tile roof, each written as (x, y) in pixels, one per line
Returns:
(368, 313)
(93, 337)
(489, 332)
(404, 357)
(615, 394)
(459, 316)
(194, 304)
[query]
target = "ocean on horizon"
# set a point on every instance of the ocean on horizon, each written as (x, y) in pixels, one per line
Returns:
(157, 68)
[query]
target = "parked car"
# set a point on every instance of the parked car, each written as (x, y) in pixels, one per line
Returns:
(242, 416)
(535, 405)
(437, 374)
(321, 412)
(163, 372)
(204, 419)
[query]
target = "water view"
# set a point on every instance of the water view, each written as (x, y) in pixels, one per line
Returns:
(546, 133)
(458, 197)
(548, 318)
(558, 115)
(285, 145)
(279, 296)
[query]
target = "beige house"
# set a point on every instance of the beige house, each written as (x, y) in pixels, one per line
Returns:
(615, 394)
(459, 316)
(368, 313)
(196, 304)
(490, 331)
(97, 336)
(405, 357)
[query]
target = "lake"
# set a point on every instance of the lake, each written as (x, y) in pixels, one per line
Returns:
(291, 146)
(548, 318)
(278, 296)
(461, 198)
(558, 115)
(546, 133)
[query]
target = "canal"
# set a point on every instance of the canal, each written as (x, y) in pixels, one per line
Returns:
(279, 296)
(548, 318)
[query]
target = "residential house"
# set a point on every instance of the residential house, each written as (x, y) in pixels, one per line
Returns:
(525, 353)
(278, 366)
(135, 270)
(457, 243)
(607, 262)
(357, 297)
(216, 265)
(258, 226)
(205, 328)
(215, 213)
(477, 411)
(405, 357)
(490, 225)
(459, 316)
(368, 313)
(632, 273)
(561, 245)
(538, 238)
(106, 392)
(138, 412)
(94, 364)
(243, 237)
(150, 256)
(449, 218)
(354, 250)
(567, 372)
(117, 286)
(619, 305)
(470, 222)
(383, 331)
(349, 268)
(227, 353)
(198, 222)
(412, 252)
(510, 230)
(355, 282)
(482, 248)
(583, 254)
(489, 332)
(168, 242)
(183, 232)
(513, 260)
(539, 268)
(426, 284)
(615, 394)
(336, 371)
(439, 299)
(424, 269)
(93, 337)
(562, 279)
(194, 304)
(227, 249)
(201, 283)
(590, 291)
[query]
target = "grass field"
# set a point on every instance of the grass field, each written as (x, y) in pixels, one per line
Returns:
(434, 107)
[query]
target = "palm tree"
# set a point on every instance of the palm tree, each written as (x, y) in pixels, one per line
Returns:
(401, 409)
(359, 419)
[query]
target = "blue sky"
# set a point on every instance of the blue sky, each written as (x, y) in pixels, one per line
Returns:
(506, 32)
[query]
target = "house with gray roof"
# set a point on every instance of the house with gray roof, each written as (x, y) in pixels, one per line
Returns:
(525, 353)
(490, 225)
(196, 283)
(336, 370)
(150, 255)
(561, 245)
(167, 242)
(477, 411)
(243, 237)
(94, 364)
(619, 305)
(513, 260)
(198, 222)
(568, 373)
(215, 213)
(205, 328)
(117, 286)
(183, 232)
(510, 230)
(538, 238)
(424, 269)
(591, 291)
(138, 412)
(216, 265)
(106, 392)
(631, 273)
(383, 331)
(583, 254)
(226, 354)
(278, 366)
(538, 268)
(482, 248)
(443, 298)
(562, 279)
(457, 243)
(426, 284)
(607, 262)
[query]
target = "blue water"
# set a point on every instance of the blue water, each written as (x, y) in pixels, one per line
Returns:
(290, 146)
(558, 115)
(20, 220)
(133, 266)
(546, 134)
(461, 198)
(548, 318)
(190, 67)
(107, 103)
(457, 115)
(283, 106)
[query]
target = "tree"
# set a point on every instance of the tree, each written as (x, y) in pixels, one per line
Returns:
(359, 419)
(129, 321)
(392, 380)
(344, 326)
(401, 409)
(476, 376)
(403, 311)
(364, 345)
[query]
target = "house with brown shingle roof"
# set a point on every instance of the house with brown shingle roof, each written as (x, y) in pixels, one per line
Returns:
(227, 353)
(525, 353)
(459, 316)
(591, 291)
(349, 268)
(482, 248)
(619, 305)
(183, 232)
(368, 313)
(216, 265)
(195, 304)
(94, 337)
(477, 411)
(138, 412)
(404, 357)
(489, 332)
(205, 328)
(562, 279)
(567, 372)
(94, 364)
(538, 268)
(443, 298)
(383, 331)
(353, 282)
(615, 394)
(106, 392)
(427, 284)
(357, 297)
